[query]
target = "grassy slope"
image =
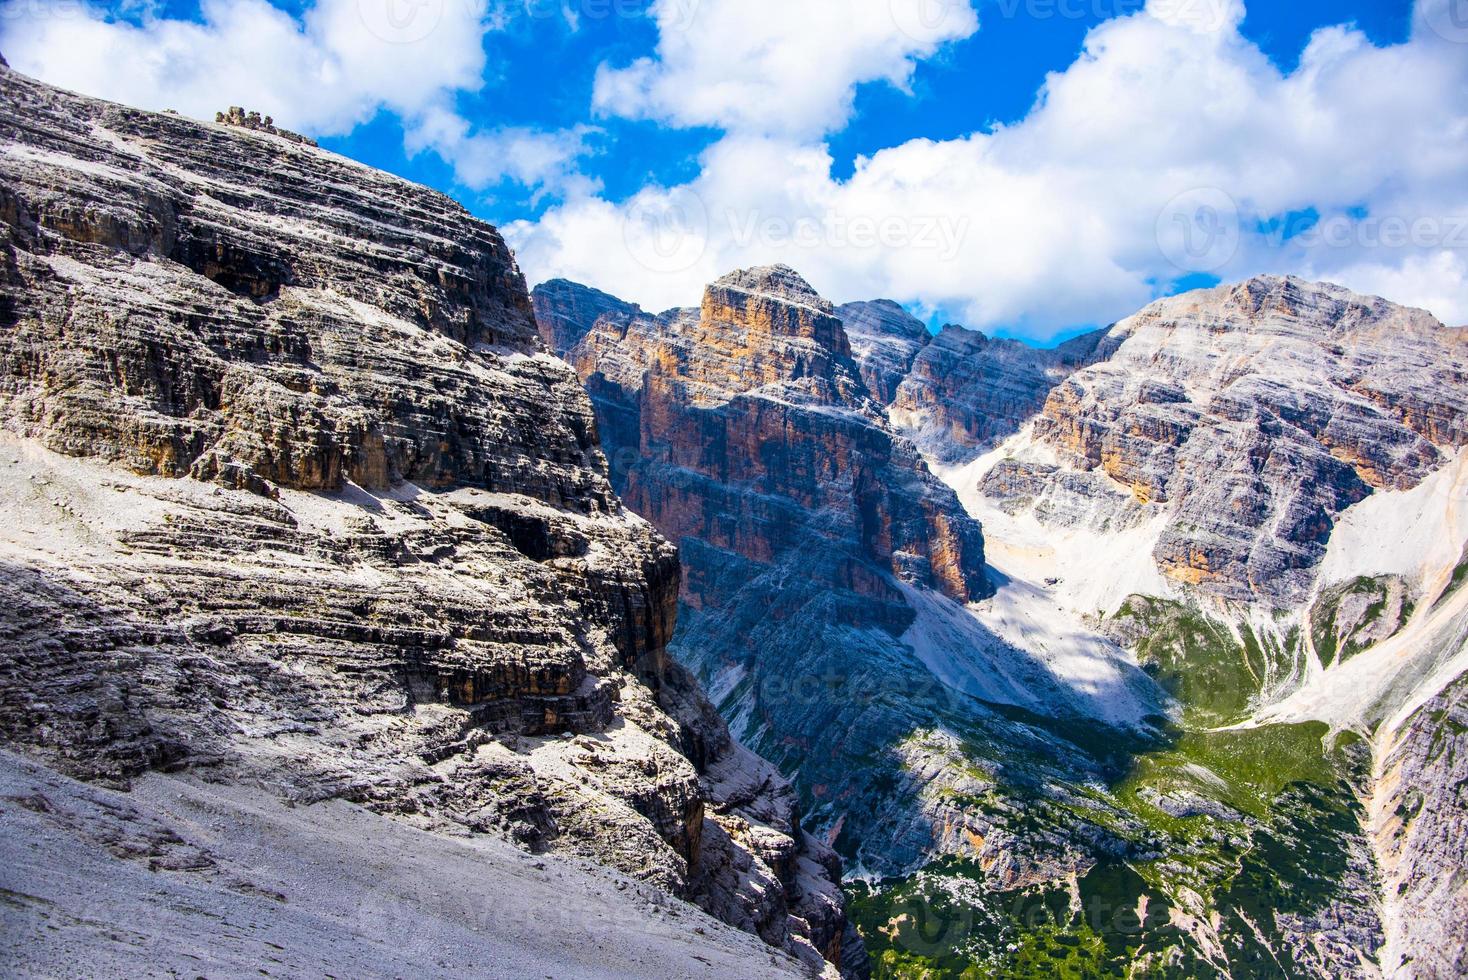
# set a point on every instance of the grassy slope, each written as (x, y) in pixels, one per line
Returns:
(1230, 838)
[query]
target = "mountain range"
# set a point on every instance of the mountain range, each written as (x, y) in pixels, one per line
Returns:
(1222, 544)
(769, 637)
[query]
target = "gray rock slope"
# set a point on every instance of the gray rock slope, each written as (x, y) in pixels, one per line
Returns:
(294, 498)
(183, 878)
(1253, 416)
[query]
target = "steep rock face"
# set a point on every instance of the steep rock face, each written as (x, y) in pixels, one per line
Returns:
(564, 311)
(1421, 829)
(885, 339)
(965, 392)
(398, 573)
(1253, 415)
(754, 434)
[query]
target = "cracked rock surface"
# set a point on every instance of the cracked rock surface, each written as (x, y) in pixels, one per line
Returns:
(294, 498)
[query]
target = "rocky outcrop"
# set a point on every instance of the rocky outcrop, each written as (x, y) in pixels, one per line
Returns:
(565, 311)
(237, 116)
(1421, 834)
(966, 392)
(293, 497)
(1253, 415)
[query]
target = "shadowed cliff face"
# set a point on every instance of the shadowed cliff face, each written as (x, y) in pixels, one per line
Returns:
(293, 496)
(745, 426)
(825, 575)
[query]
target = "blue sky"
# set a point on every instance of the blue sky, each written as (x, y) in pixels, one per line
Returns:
(1027, 167)
(546, 74)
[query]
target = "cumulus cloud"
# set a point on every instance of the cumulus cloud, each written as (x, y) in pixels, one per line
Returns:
(1172, 146)
(326, 72)
(484, 158)
(334, 67)
(776, 66)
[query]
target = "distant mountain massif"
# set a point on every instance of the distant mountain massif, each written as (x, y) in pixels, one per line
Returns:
(1174, 688)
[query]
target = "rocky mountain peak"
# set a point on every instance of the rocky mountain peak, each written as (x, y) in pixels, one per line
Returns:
(565, 311)
(777, 281)
(320, 514)
(774, 302)
(1254, 415)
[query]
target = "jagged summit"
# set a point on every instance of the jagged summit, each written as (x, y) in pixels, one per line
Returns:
(1284, 304)
(769, 307)
(565, 310)
(778, 281)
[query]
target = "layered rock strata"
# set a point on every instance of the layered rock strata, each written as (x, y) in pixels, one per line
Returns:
(1255, 414)
(294, 498)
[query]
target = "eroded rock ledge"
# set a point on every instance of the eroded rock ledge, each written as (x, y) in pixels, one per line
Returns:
(293, 497)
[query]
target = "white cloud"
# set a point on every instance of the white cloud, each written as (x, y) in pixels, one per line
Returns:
(324, 73)
(1064, 215)
(335, 67)
(776, 66)
(1435, 281)
(482, 159)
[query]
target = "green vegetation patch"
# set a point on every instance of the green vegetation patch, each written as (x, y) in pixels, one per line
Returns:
(1197, 659)
(1353, 616)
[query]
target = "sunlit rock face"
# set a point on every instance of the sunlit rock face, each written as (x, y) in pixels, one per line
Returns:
(294, 496)
(1253, 415)
(755, 434)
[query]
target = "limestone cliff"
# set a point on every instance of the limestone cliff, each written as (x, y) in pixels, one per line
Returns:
(1253, 416)
(830, 578)
(294, 498)
(757, 392)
